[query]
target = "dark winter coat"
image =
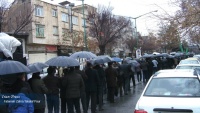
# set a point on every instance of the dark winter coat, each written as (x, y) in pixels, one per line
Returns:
(111, 77)
(39, 89)
(92, 83)
(73, 83)
(52, 84)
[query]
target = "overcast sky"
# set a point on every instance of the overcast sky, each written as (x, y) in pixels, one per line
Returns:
(134, 8)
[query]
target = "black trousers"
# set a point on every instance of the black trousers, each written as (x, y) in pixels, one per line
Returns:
(73, 102)
(63, 105)
(111, 94)
(93, 97)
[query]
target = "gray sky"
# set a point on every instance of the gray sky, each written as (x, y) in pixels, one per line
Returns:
(134, 8)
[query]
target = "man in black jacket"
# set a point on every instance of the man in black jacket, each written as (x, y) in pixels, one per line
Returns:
(91, 86)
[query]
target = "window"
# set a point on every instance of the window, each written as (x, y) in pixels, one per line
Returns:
(173, 87)
(64, 17)
(83, 22)
(39, 30)
(38, 11)
(54, 12)
(75, 20)
(55, 30)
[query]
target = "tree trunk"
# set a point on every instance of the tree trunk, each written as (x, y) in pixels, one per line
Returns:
(102, 49)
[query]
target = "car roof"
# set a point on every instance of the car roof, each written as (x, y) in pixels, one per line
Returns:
(191, 58)
(188, 65)
(175, 73)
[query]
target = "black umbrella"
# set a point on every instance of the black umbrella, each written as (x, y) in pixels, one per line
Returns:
(148, 56)
(11, 67)
(37, 67)
(62, 61)
(133, 63)
(83, 54)
(105, 58)
(96, 61)
(162, 55)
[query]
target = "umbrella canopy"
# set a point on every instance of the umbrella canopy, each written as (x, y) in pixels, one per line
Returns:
(83, 54)
(134, 63)
(62, 61)
(148, 56)
(162, 55)
(116, 59)
(105, 58)
(97, 61)
(11, 67)
(37, 67)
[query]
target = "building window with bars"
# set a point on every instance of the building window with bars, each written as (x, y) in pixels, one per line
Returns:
(54, 12)
(39, 11)
(83, 22)
(75, 20)
(39, 30)
(64, 17)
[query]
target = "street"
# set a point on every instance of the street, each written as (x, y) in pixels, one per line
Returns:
(125, 104)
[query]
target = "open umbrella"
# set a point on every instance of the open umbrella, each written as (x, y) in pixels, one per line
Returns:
(83, 54)
(148, 56)
(37, 67)
(134, 63)
(62, 61)
(116, 59)
(11, 67)
(97, 61)
(162, 55)
(105, 58)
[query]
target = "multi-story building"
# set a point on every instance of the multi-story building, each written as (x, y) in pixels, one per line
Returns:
(49, 33)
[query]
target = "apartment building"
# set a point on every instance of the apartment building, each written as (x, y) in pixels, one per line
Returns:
(49, 33)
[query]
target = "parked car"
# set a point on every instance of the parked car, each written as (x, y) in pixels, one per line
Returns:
(188, 66)
(171, 91)
(191, 60)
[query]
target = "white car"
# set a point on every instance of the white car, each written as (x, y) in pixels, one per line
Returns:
(171, 91)
(191, 60)
(188, 66)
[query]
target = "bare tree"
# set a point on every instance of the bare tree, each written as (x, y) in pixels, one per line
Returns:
(19, 17)
(188, 19)
(4, 8)
(92, 44)
(149, 43)
(168, 36)
(106, 27)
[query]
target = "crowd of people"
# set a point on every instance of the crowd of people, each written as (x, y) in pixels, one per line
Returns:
(76, 88)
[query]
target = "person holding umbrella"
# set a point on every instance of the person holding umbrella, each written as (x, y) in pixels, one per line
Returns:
(73, 83)
(39, 89)
(52, 83)
(91, 86)
(102, 79)
(83, 94)
(111, 79)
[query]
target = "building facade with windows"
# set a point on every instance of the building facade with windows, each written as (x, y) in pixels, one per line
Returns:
(49, 33)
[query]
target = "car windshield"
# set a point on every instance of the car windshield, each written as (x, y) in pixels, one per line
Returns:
(189, 62)
(173, 87)
(187, 67)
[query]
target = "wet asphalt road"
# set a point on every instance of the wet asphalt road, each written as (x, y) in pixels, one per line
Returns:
(125, 104)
